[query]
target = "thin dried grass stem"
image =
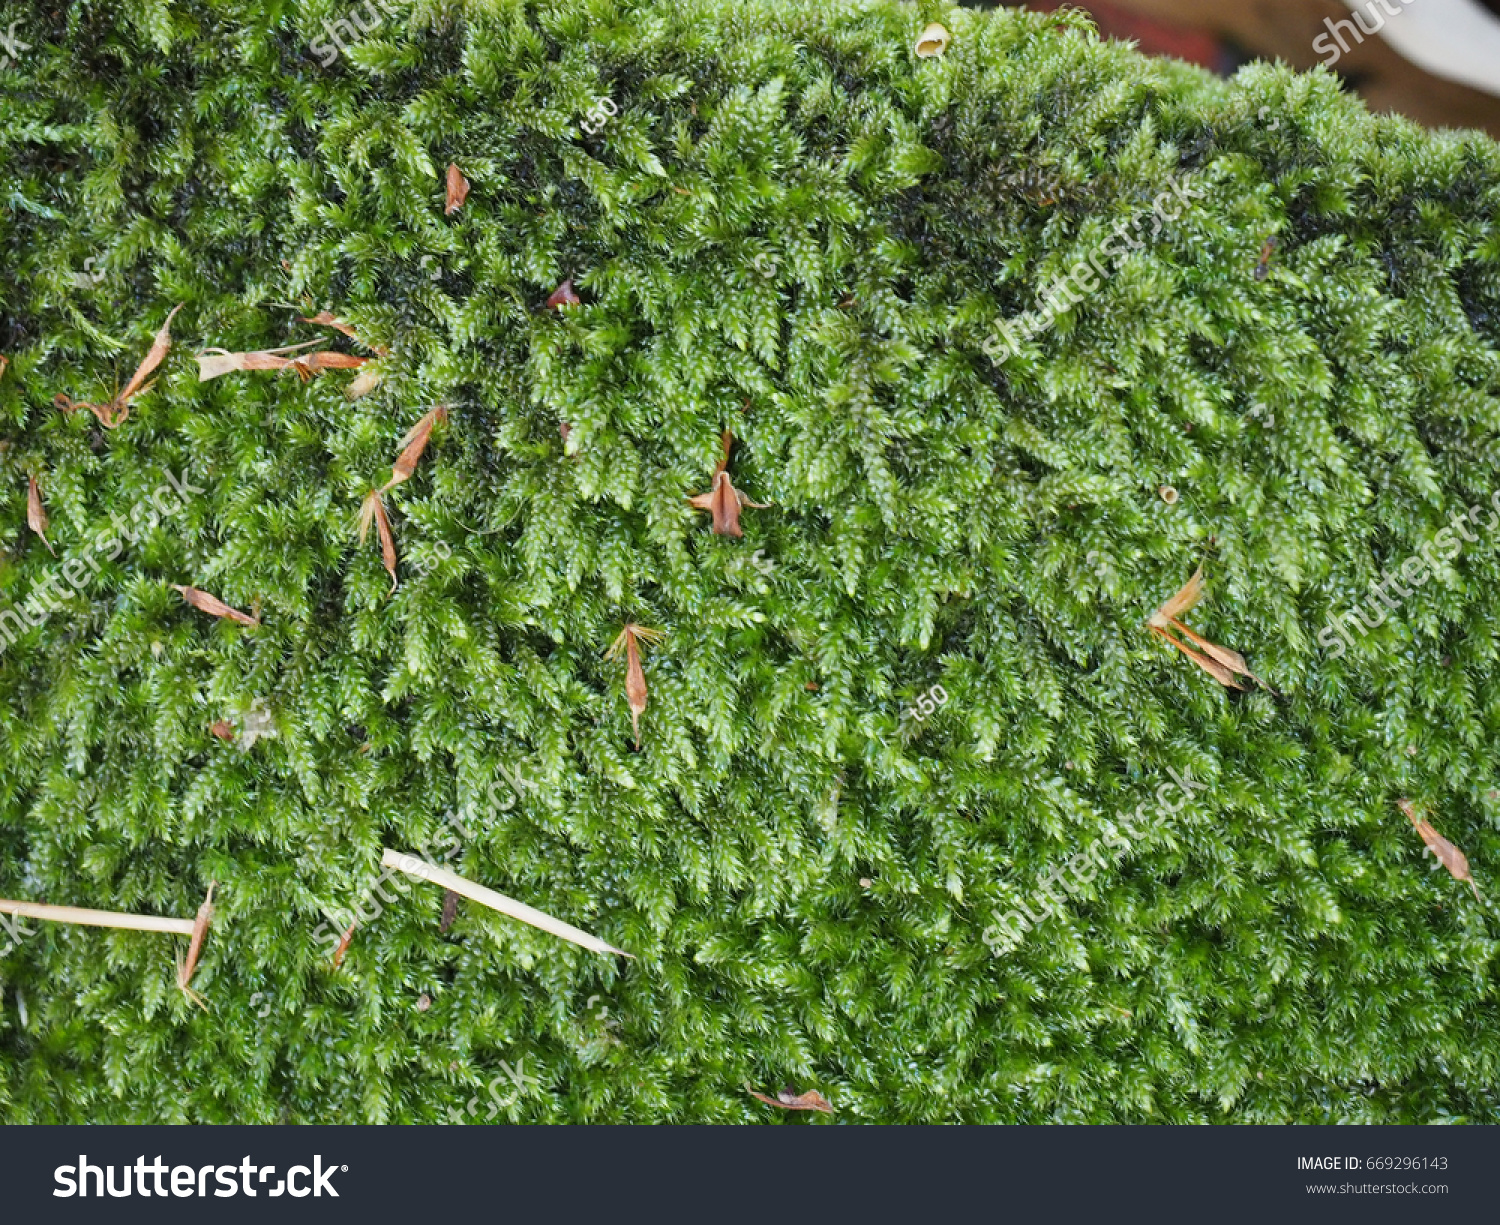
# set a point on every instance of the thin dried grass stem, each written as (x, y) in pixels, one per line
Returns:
(97, 918)
(413, 866)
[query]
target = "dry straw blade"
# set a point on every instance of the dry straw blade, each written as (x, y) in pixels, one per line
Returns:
(414, 866)
(97, 918)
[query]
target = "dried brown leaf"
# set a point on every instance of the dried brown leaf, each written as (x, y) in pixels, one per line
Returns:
(1447, 854)
(458, 190)
(723, 501)
(117, 410)
(212, 605)
(787, 1100)
(635, 675)
(214, 362)
(562, 296)
(36, 513)
(1232, 660)
(329, 319)
(450, 909)
(415, 442)
(343, 947)
(150, 362)
(374, 509)
(1187, 595)
(223, 729)
(200, 931)
(327, 359)
(1212, 666)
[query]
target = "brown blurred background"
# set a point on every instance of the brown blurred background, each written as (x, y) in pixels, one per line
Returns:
(1223, 34)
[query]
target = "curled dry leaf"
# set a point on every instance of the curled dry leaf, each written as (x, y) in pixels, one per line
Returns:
(36, 514)
(223, 729)
(195, 946)
(212, 605)
(1186, 596)
(1232, 660)
(117, 410)
(373, 509)
(450, 909)
(787, 1100)
(635, 676)
(1212, 666)
(562, 296)
(1447, 854)
(343, 946)
(723, 501)
(458, 190)
(414, 443)
(214, 362)
(329, 319)
(1219, 662)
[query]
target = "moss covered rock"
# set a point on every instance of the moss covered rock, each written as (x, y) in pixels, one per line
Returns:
(1003, 340)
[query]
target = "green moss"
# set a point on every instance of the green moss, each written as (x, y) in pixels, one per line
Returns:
(795, 230)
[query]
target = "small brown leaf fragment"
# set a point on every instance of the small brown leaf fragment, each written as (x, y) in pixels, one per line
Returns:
(152, 360)
(223, 729)
(562, 296)
(424, 1002)
(450, 909)
(1212, 666)
(117, 410)
(787, 1100)
(1232, 660)
(1262, 265)
(723, 501)
(343, 947)
(36, 514)
(212, 605)
(1186, 596)
(329, 319)
(1447, 854)
(214, 362)
(415, 442)
(635, 675)
(363, 383)
(326, 359)
(195, 946)
(374, 509)
(458, 190)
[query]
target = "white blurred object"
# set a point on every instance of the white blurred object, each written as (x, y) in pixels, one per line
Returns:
(1455, 39)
